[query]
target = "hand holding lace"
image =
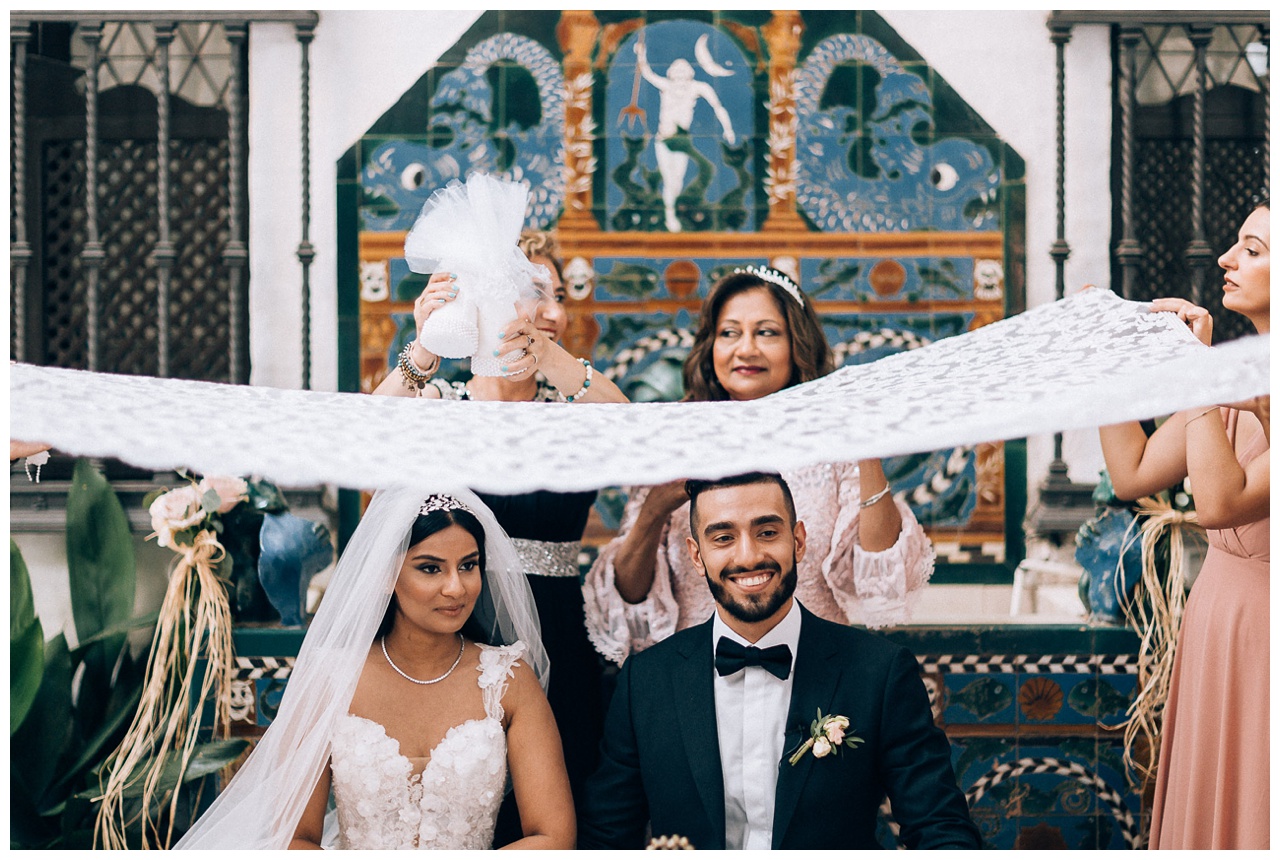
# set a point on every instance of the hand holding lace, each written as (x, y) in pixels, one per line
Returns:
(1197, 318)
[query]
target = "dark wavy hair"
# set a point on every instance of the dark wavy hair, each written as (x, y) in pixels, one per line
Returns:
(695, 487)
(424, 527)
(810, 354)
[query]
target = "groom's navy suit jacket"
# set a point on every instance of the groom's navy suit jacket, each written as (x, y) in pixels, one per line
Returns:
(661, 760)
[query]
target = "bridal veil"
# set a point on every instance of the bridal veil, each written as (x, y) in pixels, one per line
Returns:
(261, 807)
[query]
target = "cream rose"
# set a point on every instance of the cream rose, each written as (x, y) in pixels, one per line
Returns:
(174, 511)
(835, 734)
(821, 748)
(231, 491)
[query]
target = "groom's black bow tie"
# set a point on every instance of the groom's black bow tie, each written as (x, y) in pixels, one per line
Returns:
(733, 657)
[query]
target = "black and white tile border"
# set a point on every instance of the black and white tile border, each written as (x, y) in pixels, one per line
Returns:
(1052, 664)
(253, 668)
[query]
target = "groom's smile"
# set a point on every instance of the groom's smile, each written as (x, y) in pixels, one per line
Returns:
(750, 582)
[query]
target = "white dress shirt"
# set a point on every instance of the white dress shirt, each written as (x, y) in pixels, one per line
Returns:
(751, 718)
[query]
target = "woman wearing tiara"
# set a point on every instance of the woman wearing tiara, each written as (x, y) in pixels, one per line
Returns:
(545, 526)
(868, 556)
(416, 693)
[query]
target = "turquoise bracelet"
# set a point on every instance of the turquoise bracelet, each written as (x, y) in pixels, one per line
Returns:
(586, 383)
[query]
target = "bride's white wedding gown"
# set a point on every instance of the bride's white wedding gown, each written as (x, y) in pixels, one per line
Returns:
(452, 803)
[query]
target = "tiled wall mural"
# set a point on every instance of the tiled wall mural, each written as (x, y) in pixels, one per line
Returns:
(666, 149)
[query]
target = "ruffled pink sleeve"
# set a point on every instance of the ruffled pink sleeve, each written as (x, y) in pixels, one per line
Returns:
(878, 588)
(617, 628)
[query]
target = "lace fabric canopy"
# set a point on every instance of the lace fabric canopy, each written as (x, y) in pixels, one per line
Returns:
(1087, 360)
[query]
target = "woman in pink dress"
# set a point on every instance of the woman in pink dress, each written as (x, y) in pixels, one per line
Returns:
(868, 557)
(1213, 778)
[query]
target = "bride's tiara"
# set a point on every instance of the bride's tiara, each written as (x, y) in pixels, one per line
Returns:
(773, 276)
(441, 502)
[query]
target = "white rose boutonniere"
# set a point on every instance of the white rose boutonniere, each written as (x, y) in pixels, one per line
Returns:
(826, 735)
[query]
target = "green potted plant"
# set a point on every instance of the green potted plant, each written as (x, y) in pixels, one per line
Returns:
(62, 734)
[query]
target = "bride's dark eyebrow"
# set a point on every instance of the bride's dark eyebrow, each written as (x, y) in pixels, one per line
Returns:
(429, 557)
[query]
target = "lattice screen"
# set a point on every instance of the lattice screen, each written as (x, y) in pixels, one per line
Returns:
(1235, 168)
(1234, 173)
(128, 221)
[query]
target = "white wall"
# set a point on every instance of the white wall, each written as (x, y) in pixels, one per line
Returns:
(1001, 63)
(361, 63)
(45, 556)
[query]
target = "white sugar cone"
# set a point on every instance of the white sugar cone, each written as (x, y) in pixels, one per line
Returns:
(493, 321)
(451, 330)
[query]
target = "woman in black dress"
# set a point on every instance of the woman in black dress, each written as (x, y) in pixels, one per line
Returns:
(545, 526)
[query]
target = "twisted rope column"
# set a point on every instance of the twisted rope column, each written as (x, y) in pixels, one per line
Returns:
(93, 254)
(19, 247)
(1060, 35)
(1199, 254)
(1128, 251)
(306, 251)
(236, 255)
(164, 254)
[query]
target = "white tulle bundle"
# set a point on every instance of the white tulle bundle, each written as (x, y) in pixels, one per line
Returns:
(471, 229)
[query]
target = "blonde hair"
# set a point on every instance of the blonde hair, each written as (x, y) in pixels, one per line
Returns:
(541, 243)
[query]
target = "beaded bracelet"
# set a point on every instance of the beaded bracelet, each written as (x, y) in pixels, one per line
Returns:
(586, 383)
(412, 375)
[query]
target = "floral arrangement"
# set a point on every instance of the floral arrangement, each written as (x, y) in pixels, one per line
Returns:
(826, 735)
(177, 515)
(210, 524)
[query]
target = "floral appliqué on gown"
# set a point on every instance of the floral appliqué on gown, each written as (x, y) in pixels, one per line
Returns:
(452, 803)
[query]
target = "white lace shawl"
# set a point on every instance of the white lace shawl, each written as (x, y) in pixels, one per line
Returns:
(1090, 359)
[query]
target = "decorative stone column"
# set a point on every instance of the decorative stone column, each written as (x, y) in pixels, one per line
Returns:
(577, 33)
(782, 35)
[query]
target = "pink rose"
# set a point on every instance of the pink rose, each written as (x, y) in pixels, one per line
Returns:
(835, 734)
(821, 748)
(231, 491)
(174, 511)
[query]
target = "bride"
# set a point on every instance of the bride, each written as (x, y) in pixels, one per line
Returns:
(417, 691)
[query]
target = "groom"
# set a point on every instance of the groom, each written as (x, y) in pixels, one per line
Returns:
(704, 725)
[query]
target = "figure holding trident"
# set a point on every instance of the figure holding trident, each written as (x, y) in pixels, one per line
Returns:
(679, 94)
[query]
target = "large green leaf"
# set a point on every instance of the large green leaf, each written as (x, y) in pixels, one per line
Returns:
(99, 554)
(41, 742)
(99, 745)
(103, 578)
(113, 631)
(209, 757)
(26, 641)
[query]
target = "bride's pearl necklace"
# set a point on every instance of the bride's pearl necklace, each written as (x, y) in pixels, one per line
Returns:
(462, 646)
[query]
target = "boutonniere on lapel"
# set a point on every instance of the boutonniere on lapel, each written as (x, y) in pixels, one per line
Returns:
(826, 735)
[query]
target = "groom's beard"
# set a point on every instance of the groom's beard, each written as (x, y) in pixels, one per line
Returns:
(753, 607)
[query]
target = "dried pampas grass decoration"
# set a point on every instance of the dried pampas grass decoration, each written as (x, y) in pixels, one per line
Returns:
(162, 737)
(1155, 613)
